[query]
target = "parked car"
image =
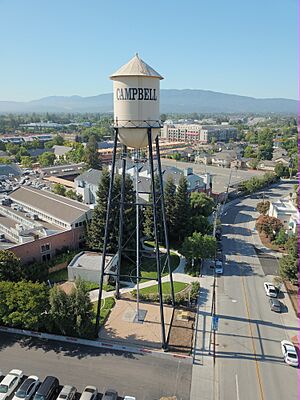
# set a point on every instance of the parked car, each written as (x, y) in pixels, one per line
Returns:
(89, 393)
(129, 398)
(275, 304)
(48, 390)
(289, 353)
(67, 393)
(27, 389)
(9, 383)
(270, 289)
(219, 267)
(110, 394)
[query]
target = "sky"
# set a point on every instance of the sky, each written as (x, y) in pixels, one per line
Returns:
(70, 47)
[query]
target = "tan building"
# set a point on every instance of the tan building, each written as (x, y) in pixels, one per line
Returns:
(196, 133)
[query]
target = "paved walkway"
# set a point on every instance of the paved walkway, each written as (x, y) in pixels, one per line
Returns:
(178, 276)
(203, 375)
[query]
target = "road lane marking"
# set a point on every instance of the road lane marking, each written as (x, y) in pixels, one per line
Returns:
(252, 340)
(237, 387)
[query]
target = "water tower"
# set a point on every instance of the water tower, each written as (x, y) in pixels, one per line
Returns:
(137, 125)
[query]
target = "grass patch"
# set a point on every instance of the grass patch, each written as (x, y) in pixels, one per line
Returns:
(106, 307)
(94, 285)
(166, 288)
(148, 267)
(59, 276)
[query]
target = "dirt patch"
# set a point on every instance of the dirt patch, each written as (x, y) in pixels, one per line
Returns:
(293, 292)
(58, 267)
(182, 332)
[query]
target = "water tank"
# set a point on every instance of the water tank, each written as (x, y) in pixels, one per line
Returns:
(136, 102)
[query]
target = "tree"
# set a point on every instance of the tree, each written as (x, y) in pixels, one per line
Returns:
(92, 157)
(10, 266)
(265, 151)
(60, 311)
(148, 214)
(282, 171)
(270, 226)
(201, 204)
(182, 209)
(199, 246)
(71, 194)
(249, 152)
(60, 189)
(81, 309)
(24, 305)
(169, 195)
(263, 207)
(71, 314)
(46, 159)
(77, 154)
(289, 263)
(200, 223)
(281, 237)
(95, 232)
(26, 162)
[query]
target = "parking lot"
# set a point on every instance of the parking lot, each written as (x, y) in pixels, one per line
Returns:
(142, 376)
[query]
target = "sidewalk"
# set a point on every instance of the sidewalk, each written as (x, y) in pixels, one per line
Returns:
(203, 378)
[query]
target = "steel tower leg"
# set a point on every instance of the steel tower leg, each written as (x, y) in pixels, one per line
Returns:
(163, 210)
(158, 265)
(121, 221)
(109, 201)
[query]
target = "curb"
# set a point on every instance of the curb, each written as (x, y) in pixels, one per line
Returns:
(100, 344)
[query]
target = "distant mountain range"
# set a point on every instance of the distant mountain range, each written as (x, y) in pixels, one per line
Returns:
(172, 101)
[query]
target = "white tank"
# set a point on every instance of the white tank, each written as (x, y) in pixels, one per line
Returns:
(136, 102)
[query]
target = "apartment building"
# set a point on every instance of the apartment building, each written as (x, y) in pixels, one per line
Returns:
(196, 133)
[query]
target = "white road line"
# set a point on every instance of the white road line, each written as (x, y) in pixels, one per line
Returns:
(237, 387)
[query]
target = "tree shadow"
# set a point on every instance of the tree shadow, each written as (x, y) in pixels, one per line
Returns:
(64, 349)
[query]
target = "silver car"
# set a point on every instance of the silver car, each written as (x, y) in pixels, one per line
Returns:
(89, 393)
(67, 393)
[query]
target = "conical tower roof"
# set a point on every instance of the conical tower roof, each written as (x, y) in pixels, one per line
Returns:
(136, 67)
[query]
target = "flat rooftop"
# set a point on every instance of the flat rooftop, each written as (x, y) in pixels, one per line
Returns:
(89, 260)
(42, 201)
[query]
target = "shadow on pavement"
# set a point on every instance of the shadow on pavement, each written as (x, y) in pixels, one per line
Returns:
(64, 349)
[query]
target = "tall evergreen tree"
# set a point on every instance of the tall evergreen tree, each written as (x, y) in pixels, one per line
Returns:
(182, 209)
(129, 238)
(92, 157)
(148, 224)
(170, 194)
(95, 231)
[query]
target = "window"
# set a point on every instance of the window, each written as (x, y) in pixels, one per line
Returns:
(45, 247)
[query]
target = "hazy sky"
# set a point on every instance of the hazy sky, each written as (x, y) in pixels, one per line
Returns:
(70, 47)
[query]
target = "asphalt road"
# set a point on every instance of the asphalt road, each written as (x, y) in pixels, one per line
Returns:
(249, 360)
(145, 377)
(220, 175)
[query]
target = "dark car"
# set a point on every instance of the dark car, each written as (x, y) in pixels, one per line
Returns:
(110, 394)
(275, 304)
(48, 389)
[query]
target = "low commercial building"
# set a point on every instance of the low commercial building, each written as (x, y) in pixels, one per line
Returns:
(36, 224)
(87, 266)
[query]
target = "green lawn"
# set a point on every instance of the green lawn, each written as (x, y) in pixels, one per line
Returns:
(106, 307)
(59, 276)
(148, 267)
(166, 288)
